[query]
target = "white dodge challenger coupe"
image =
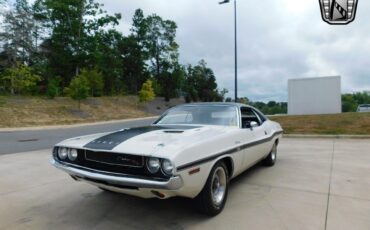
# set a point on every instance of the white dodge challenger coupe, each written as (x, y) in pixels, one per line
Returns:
(192, 150)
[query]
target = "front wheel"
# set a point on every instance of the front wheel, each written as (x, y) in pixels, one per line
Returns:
(213, 197)
(271, 158)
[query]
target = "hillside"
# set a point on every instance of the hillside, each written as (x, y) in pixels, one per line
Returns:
(36, 111)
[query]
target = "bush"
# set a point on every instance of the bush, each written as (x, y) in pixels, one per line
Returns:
(95, 81)
(78, 89)
(146, 93)
(20, 80)
(53, 87)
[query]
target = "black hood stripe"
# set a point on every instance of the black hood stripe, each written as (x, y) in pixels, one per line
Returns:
(110, 141)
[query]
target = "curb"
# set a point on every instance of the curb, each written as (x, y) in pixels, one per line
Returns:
(326, 136)
(73, 125)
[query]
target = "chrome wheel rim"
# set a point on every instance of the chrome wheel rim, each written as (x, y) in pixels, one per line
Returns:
(218, 188)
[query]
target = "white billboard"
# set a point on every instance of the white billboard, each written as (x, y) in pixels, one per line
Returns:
(319, 95)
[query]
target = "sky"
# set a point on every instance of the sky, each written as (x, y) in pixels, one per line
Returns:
(277, 40)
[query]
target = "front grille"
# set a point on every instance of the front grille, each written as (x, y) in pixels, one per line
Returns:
(115, 158)
(127, 164)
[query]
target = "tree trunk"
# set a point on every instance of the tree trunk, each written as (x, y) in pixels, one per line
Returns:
(77, 70)
(157, 65)
(167, 97)
(157, 61)
(12, 85)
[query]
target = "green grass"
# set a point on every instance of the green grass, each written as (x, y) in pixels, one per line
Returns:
(336, 124)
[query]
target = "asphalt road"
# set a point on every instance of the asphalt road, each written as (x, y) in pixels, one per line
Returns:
(31, 140)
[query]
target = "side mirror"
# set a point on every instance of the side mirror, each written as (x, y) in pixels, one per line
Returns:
(253, 124)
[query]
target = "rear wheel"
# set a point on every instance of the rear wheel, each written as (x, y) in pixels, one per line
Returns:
(271, 158)
(213, 197)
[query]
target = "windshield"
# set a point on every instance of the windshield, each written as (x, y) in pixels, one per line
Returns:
(225, 115)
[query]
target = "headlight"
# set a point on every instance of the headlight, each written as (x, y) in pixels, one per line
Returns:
(72, 154)
(62, 153)
(167, 167)
(153, 165)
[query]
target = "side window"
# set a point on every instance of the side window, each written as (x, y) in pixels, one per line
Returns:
(260, 116)
(248, 115)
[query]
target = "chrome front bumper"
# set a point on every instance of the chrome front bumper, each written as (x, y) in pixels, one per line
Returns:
(173, 183)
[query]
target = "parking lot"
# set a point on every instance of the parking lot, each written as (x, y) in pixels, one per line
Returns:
(316, 184)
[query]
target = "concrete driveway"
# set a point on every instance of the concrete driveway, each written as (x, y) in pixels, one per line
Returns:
(316, 184)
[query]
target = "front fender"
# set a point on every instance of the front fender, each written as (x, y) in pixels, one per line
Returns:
(195, 182)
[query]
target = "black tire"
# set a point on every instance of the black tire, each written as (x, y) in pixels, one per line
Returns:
(271, 158)
(207, 198)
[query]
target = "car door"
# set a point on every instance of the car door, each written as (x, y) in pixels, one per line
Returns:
(267, 132)
(252, 134)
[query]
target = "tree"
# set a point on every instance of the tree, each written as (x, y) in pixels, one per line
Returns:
(243, 100)
(139, 27)
(147, 93)
(78, 89)
(17, 37)
(156, 38)
(271, 107)
(223, 93)
(53, 87)
(20, 80)
(350, 102)
(134, 68)
(95, 81)
(160, 43)
(362, 97)
(107, 57)
(171, 81)
(200, 84)
(75, 26)
(3, 3)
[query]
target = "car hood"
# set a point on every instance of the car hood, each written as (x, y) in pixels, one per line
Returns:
(147, 141)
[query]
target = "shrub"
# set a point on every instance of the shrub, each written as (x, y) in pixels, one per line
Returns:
(78, 89)
(146, 93)
(53, 87)
(20, 80)
(95, 81)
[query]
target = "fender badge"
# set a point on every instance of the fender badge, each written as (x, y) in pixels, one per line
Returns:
(193, 171)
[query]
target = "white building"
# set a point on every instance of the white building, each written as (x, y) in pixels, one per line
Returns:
(320, 95)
